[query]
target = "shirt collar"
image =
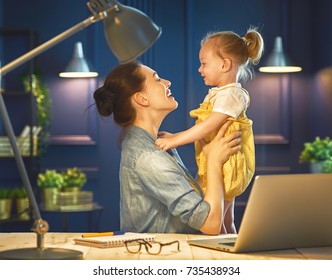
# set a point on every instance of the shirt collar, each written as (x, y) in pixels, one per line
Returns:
(226, 86)
(136, 130)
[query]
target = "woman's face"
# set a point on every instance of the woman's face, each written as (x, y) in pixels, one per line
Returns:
(157, 91)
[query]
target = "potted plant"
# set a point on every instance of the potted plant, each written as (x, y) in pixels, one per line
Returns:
(327, 166)
(6, 200)
(50, 182)
(34, 83)
(74, 179)
(319, 154)
(22, 203)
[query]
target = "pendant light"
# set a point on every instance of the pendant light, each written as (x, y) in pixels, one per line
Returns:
(78, 66)
(278, 61)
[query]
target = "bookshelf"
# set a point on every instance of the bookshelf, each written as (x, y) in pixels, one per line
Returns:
(22, 113)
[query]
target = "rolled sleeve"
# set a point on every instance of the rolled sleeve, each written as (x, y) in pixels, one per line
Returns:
(199, 215)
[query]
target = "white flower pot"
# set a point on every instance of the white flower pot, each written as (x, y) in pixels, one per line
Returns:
(316, 167)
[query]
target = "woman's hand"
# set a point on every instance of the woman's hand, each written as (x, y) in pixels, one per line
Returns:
(221, 148)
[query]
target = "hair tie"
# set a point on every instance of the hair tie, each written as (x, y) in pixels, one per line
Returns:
(247, 41)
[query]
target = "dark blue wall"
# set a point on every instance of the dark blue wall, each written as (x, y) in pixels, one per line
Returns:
(287, 110)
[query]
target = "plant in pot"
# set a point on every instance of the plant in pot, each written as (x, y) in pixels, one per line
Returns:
(22, 203)
(327, 166)
(50, 182)
(34, 83)
(6, 201)
(319, 154)
(74, 179)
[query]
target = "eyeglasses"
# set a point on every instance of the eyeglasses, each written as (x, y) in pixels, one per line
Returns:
(134, 246)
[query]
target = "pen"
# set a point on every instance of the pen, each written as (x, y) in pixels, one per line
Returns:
(96, 234)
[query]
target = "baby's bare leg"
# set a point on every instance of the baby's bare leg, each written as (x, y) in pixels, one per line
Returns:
(228, 224)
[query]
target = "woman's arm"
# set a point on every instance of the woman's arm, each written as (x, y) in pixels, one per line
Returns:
(196, 132)
(217, 153)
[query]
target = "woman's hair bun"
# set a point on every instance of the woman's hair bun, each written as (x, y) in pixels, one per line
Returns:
(104, 99)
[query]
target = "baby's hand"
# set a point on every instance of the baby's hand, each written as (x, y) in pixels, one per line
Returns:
(164, 134)
(166, 141)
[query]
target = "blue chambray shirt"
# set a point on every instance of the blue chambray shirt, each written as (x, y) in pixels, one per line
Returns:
(155, 194)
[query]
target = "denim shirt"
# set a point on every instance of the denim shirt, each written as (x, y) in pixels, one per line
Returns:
(155, 193)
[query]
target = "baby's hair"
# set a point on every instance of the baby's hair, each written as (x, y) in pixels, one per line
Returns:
(255, 44)
(242, 50)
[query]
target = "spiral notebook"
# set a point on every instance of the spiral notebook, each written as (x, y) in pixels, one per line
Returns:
(113, 241)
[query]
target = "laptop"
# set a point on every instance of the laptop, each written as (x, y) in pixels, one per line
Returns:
(283, 212)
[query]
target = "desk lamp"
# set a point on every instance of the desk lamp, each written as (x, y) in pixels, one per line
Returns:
(129, 33)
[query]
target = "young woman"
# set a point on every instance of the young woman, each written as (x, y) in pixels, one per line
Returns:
(156, 192)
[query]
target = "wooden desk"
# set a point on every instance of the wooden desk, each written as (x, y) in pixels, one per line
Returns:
(65, 240)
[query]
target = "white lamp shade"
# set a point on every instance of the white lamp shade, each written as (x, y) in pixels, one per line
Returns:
(78, 66)
(278, 61)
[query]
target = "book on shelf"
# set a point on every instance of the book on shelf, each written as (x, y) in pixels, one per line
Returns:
(114, 240)
(23, 142)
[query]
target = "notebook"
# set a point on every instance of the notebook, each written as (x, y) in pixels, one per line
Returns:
(283, 212)
(113, 241)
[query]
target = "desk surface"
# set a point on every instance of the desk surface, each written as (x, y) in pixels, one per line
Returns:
(65, 240)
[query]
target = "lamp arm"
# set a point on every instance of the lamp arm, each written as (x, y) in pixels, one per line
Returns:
(101, 9)
(48, 44)
(40, 226)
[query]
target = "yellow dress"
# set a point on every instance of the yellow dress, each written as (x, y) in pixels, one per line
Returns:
(239, 169)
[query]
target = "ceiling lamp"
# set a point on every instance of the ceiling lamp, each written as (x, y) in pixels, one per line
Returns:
(78, 66)
(278, 61)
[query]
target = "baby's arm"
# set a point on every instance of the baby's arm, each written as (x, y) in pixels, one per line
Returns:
(196, 132)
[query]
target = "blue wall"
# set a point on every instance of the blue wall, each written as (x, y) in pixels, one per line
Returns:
(287, 110)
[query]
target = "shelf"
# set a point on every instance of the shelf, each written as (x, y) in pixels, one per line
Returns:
(15, 94)
(20, 106)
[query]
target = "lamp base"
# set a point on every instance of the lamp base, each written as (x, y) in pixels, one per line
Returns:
(41, 254)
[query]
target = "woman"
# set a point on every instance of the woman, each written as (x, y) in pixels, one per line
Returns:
(156, 195)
